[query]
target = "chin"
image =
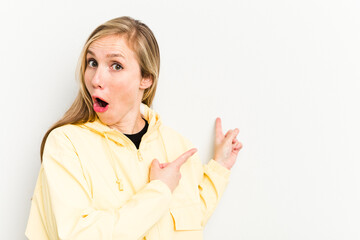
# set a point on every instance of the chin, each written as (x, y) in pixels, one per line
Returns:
(105, 119)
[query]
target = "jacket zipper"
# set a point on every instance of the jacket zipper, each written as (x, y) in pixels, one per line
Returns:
(140, 158)
(138, 153)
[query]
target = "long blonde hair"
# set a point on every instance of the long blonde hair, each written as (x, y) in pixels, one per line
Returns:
(141, 40)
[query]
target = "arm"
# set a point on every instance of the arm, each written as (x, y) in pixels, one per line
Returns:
(63, 204)
(212, 181)
(212, 186)
(214, 176)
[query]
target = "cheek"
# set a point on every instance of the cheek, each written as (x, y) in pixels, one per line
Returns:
(121, 90)
(88, 75)
(125, 91)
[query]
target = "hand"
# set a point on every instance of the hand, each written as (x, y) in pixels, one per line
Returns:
(226, 147)
(169, 173)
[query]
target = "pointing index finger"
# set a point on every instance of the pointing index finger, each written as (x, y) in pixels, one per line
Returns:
(218, 127)
(184, 157)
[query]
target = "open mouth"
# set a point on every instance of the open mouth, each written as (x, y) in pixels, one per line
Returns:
(101, 102)
(100, 105)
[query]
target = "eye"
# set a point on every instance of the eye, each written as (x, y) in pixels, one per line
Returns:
(92, 63)
(116, 67)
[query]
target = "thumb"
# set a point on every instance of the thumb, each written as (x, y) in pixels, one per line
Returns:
(155, 164)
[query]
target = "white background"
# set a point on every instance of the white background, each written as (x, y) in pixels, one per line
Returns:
(286, 73)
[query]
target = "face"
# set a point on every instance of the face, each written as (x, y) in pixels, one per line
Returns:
(113, 79)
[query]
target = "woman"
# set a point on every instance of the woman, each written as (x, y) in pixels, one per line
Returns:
(110, 168)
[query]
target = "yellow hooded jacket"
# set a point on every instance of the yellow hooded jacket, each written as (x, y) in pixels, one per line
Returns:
(94, 184)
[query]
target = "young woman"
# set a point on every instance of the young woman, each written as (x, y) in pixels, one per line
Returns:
(110, 168)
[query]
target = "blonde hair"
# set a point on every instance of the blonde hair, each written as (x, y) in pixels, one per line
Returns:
(141, 40)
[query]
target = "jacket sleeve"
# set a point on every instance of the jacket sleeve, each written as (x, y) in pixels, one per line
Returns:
(212, 181)
(62, 207)
(212, 186)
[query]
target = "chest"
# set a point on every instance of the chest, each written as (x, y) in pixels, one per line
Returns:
(116, 172)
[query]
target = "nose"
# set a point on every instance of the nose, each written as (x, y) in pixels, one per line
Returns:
(97, 80)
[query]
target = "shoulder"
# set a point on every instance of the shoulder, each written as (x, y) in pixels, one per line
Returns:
(60, 153)
(171, 132)
(64, 138)
(69, 132)
(67, 129)
(173, 137)
(61, 135)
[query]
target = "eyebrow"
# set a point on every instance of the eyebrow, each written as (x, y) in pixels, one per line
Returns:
(108, 55)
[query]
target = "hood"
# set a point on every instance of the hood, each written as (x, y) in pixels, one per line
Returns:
(102, 129)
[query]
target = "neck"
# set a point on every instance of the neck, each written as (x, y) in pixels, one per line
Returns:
(131, 125)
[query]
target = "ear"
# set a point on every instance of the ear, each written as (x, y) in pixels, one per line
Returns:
(146, 82)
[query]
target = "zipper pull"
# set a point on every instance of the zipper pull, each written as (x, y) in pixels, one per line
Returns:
(139, 155)
(120, 185)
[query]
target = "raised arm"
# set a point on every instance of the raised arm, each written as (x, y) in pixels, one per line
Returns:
(214, 176)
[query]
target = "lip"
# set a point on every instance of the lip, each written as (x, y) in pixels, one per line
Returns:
(97, 107)
(94, 98)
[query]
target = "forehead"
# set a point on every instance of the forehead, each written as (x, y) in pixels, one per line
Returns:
(111, 44)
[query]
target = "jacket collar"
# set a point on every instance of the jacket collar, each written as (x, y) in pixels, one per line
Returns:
(102, 129)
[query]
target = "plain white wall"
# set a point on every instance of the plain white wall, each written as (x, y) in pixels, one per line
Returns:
(286, 73)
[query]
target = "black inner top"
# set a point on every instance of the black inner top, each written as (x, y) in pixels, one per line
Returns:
(136, 137)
